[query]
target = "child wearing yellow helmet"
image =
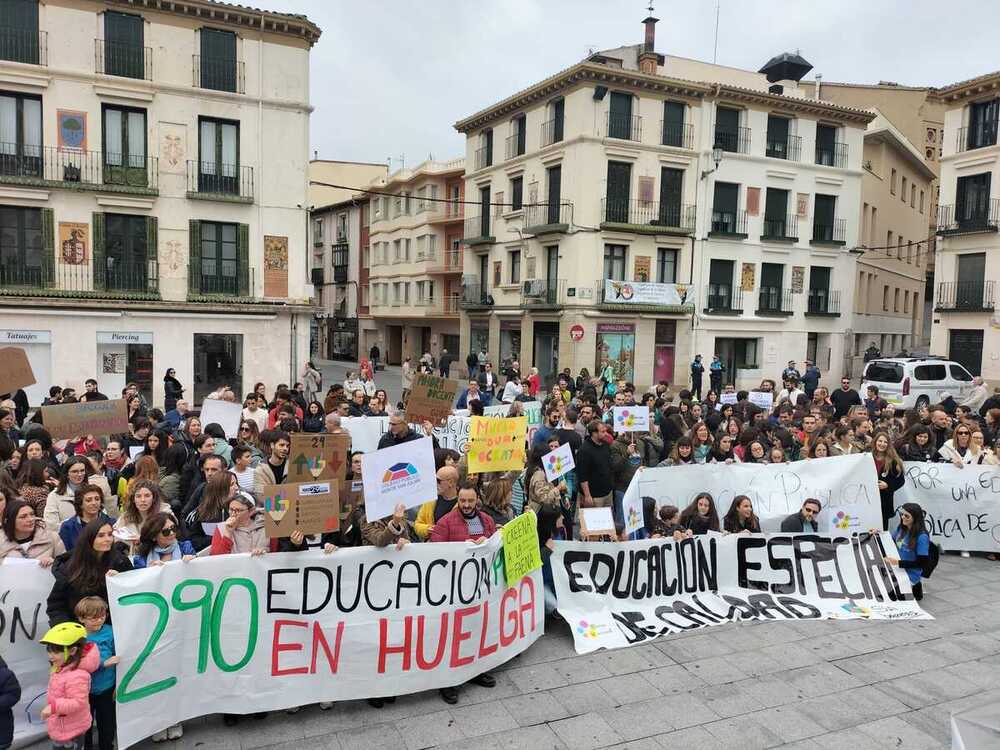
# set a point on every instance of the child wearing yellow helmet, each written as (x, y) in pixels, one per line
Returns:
(73, 660)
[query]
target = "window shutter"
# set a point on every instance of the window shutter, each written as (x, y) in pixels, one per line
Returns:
(243, 259)
(194, 257)
(99, 262)
(152, 254)
(48, 247)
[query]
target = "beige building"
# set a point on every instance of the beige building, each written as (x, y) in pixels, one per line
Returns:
(966, 325)
(891, 278)
(415, 262)
(149, 217)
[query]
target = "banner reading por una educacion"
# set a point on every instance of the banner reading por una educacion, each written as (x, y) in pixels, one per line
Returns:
(240, 634)
(615, 595)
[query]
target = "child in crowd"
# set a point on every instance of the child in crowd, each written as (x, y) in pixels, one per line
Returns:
(10, 694)
(67, 712)
(92, 612)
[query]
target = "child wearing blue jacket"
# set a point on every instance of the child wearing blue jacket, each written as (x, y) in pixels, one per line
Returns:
(10, 694)
(914, 544)
(92, 613)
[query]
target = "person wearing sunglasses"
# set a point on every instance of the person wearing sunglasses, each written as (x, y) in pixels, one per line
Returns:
(159, 542)
(958, 449)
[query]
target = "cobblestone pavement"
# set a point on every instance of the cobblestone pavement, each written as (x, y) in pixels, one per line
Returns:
(851, 684)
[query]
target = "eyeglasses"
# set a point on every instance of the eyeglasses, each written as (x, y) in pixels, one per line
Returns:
(237, 511)
(245, 428)
(961, 432)
(168, 531)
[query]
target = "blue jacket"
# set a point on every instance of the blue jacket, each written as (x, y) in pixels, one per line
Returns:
(104, 678)
(10, 694)
(69, 532)
(463, 400)
(139, 562)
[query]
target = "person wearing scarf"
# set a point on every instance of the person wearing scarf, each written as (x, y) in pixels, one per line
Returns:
(158, 542)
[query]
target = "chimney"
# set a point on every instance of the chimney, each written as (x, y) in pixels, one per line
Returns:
(819, 83)
(648, 58)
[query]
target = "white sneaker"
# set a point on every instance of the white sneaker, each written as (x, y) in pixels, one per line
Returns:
(160, 736)
(966, 554)
(326, 705)
(175, 732)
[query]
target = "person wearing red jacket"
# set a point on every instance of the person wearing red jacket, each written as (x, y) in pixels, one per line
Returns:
(465, 523)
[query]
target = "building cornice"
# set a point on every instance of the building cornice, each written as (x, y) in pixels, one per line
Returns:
(794, 104)
(970, 89)
(904, 148)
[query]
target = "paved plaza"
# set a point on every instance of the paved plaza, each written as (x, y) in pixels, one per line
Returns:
(851, 684)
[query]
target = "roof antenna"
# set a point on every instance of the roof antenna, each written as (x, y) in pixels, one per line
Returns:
(715, 54)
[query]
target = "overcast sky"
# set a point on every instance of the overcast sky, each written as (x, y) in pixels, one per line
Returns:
(391, 77)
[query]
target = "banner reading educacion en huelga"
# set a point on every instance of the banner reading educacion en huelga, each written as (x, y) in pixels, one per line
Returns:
(240, 634)
(615, 595)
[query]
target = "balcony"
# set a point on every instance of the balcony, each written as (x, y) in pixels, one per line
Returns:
(212, 181)
(514, 146)
(623, 127)
(543, 293)
(552, 132)
(729, 224)
(964, 296)
(735, 141)
(789, 148)
(137, 279)
(774, 301)
(780, 228)
(834, 155)
(970, 218)
(478, 230)
(543, 218)
(45, 166)
(340, 274)
(218, 74)
(823, 302)
(449, 261)
(222, 288)
(647, 217)
(723, 299)
(830, 234)
(19, 45)
(634, 297)
(976, 136)
(678, 135)
(475, 294)
(124, 60)
(484, 157)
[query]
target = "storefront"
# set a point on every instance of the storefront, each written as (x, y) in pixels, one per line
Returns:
(479, 335)
(664, 347)
(218, 361)
(342, 339)
(616, 344)
(510, 340)
(124, 357)
(37, 346)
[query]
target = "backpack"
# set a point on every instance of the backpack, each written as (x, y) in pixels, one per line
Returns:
(933, 555)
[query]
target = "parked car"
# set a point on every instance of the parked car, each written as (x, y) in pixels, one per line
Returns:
(907, 382)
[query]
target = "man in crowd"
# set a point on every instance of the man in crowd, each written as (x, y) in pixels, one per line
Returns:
(873, 402)
(433, 511)
(977, 395)
(488, 382)
(91, 393)
(471, 394)
(805, 519)
(940, 427)
(549, 428)
(571, 431)
(400, 432)
(273, 470)
(844, 398)
(175, 416)
(331, 424)
(444, 364)
(810, 378)
(593, 467)
(715, 370)
(791, 372)
(472, 364)
(357, 406)
(697, 370)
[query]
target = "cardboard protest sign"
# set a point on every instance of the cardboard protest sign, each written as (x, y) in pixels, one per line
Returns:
(317, 456)
(401, 474)
(15, 370)
(309, 507)
(761, 399)
(352, 495)
(89, 418)
(430, 399)
(597, 521)
(497, 444)
(631, 418)
(521, 553)
(226, 414)
(558, 462)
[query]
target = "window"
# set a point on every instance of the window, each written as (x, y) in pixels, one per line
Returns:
(929, 372)
(123, 50)
(906, 300)
(554, 199)
(20, 135)
(720, 285)
(614, 262)
(218, 66)
(126, 252)
(484, 212)
(777, 223)
(819, 289)
(885, 298)
(23, 260)
(516, 191)
(888, 244)
(825, 227)
(487, 147)
(618, 187)
(341, 227)
(902, 190)
(620, 117)
(666, 265)
(516, 141)
(913, 195)
(983, 117)
(397, 246)
(218, 156)
(895, 299)
(514, 264)
(219, 260)
(960, 373)
(921, 201)
(19, 40)
(771, 289)
(777, 138)
(673, 125)
(972, 201)
(552, 130)
(406, 249)
(124, 145)
(671, 191)
(727, 129)
(828, 151)
(892, 182)
(725, 217)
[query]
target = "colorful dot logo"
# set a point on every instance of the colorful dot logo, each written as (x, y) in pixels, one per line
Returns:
(586, 630)
(633, 518)
(842, 520)
(626, 418)
(556, 464)
(854, 609)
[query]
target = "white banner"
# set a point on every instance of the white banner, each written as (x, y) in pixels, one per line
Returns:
(961, 505)
(401, 474)
(24, 587)
(243, 634)
(620, 594)
(846, 486)
(226, 414)
(647, 293)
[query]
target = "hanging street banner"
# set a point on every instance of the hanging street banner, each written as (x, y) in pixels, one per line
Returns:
(846, 486)
(961, 505)
(647, 293)
(620, 594)
(241, 634)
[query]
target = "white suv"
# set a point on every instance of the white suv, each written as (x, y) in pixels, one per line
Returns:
(907, 382)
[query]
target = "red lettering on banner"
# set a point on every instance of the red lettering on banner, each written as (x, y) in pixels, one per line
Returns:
(484, 649)
(422, 663)
(384, 649)
(508, 613)
(458, 635)
(527, 605)
(277, 647)
(333, 659)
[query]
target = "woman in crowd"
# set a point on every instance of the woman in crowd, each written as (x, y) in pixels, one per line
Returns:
(540, 490)
(956, 449)
(186, 435)
(756, 453)
(146, 469)
(776, 455)
(889, 469)
(171, 473)
(211, 512)
(313, 420)
(249, 437)
(33, 483)
(220, 446)
(156, 444)
(243, 530)
(913, 543)
(25, 535)
(740, 519)
(917, 444)
(701, 442)
(700, 516)
(819, 448)
(172, 390)
(59, 505)
(843, 441)
(115, 459)
(89, 504)
(143, 500)
(83, 572)
(496, 499)
(159, 542)
(682, 453)
(979, 450)
(722, 450)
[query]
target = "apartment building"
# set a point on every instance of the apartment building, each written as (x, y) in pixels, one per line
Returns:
(414, 278)
(340, 253)
(640, 208)
(891, 274)
(147, 220)
(966, 326)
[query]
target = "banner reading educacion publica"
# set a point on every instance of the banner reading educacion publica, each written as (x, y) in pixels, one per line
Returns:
(961, 505)
(244, 634)
(845, 485)
(620, 594)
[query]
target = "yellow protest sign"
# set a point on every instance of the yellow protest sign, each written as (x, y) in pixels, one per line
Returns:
(497, 444)
(521, 553)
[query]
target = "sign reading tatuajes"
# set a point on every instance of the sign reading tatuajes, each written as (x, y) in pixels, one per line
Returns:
(430, 399)
(614, 595)
(845, 485)
(317, 456)
(961, 505)
(242, 634)
(309, 507)
(403, 474)
(15, 369)
(497, 444)
(89, 418)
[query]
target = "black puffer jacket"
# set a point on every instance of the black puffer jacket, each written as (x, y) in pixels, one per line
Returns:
(64, 595)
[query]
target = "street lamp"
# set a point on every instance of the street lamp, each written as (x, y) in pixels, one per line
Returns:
(717, 152)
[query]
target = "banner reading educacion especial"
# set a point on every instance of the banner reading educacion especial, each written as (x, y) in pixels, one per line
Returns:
(240, 634)
(620, 594)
